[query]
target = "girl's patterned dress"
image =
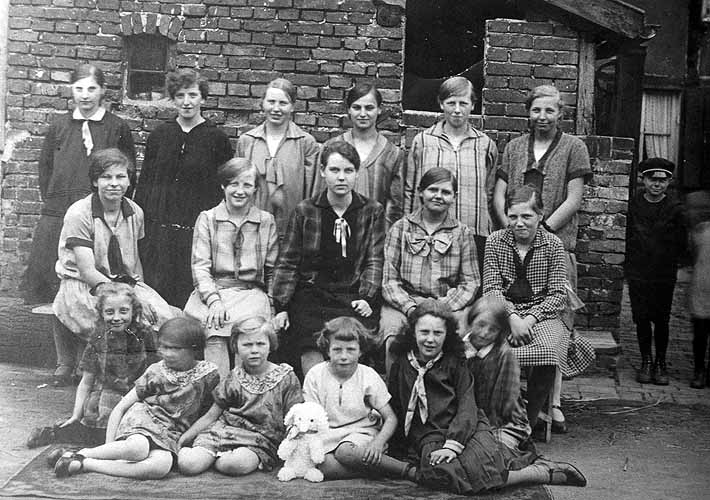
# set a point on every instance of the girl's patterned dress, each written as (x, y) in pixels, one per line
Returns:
(116, 359)
(170, 402)
(253, 413)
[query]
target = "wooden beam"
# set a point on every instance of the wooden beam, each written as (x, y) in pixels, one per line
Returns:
(613, 15)
(585, 87)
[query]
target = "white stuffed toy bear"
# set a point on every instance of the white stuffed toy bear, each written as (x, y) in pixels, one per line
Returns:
(302, 449)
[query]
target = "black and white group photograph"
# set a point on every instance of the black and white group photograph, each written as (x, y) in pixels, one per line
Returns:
(355, 249)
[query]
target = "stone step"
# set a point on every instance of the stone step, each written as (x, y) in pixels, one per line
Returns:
(607, 350)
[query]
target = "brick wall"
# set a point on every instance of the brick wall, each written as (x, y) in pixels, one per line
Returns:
(323, 46)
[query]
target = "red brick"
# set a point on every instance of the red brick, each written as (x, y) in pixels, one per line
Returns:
(556, 72)
(532, 56)
(264, 13)
(310, 28)
(332, 54)
(329, 42)
(510, 40)
(287, 53)
(506, 123)
(531, 28)
(262, 38)
(496, 25)
(284, 65)
(285, 40)
(288, 14)
(312, 15)
(511, 69)
(556, 43)
(330, 68)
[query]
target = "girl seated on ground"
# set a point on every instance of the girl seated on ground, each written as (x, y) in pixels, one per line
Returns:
(443, 433)
(244, 427)
(143, 429)
(120, 350)
(496, 376)
(356, 401)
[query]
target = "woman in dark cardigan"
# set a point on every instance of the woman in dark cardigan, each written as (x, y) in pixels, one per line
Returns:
(64, 172)
(177, 182)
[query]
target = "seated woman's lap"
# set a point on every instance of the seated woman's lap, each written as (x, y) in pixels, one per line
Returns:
(550, 342)
(239, 304)
(308, 310)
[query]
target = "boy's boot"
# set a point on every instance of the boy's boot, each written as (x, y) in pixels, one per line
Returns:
(698, 381)
(644, 374)
(659, 374)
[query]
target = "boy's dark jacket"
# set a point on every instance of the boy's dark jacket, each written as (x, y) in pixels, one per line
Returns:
(656, 239)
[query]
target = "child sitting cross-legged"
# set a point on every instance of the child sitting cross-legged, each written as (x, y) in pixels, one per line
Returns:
(444, 433)
(143, 429)
(242, 431)
(119, 351)
(357, 403)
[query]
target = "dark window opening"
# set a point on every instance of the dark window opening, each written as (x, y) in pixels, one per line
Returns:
(443, 39)
(147, 62)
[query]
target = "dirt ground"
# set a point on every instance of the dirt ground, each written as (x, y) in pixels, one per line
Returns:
(625, 450)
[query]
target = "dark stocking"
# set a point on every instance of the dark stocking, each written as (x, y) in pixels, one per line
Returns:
(660, 335)
(701, 330)
(541, 379)
(644, 334)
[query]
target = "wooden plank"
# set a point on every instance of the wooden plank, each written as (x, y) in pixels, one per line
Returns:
(613, 15)
(585, 87)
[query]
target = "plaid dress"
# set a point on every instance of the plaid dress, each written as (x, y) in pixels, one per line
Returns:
(545, 271)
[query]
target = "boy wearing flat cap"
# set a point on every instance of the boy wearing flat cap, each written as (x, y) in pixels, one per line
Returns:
(655, 240)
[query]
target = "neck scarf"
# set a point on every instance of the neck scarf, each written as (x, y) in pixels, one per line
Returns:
(418, 400)
(341, 231)
(85, 131)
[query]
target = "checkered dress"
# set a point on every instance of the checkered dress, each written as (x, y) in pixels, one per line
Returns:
(546, 273)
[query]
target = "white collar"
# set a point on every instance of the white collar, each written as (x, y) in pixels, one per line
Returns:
(472, 351)
(96, 117)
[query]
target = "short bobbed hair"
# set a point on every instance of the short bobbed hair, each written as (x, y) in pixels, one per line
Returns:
(184, 79)
(406, 340)
(525, 194)
(103, 159)
(496, 308)
(436, 175)
(344, 149)
(88, 70)
(456, 85)
(288, 88)
(235, 167)
(185, 332)
(254, 324)
(344, 328)
(544, 91)
(111, 289)
(361, 90)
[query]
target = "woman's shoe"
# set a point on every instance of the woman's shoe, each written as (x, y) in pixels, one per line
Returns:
(558, 426)
(61, 468)
(54, 455)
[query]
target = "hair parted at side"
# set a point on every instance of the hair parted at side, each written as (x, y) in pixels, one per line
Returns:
(344, 149)
(344, 328)
(496, 308)
(361, 90)
(184, 79)
(544, 91)
(286, 86)
(254, 324)
(103, 159)
(185, 332)
(111, 289)
(235, 167)
(406, 341)
(455, 86)
(436, 175)
(88, 70)
(525, 194)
